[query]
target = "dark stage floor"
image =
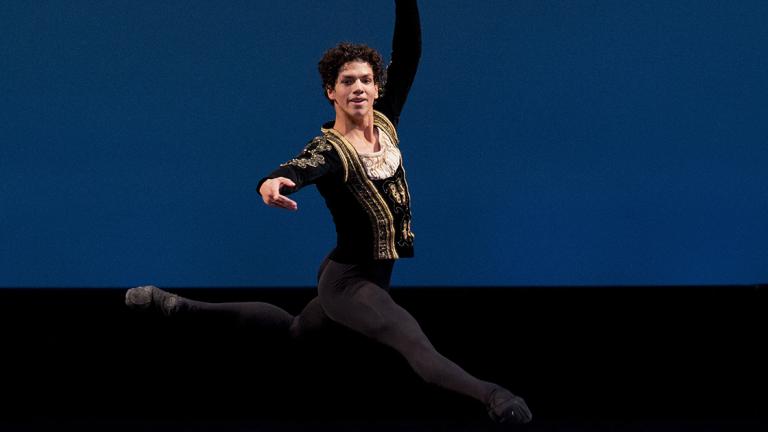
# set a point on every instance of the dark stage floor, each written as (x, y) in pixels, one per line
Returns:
(585, 359)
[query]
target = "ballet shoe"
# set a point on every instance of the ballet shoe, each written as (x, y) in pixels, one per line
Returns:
(505, 407)
(150, 297)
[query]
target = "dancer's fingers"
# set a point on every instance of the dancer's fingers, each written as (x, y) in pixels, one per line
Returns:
(284, 202)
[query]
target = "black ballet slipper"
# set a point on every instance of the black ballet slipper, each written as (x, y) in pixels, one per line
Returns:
(150, 297)
(505, 407)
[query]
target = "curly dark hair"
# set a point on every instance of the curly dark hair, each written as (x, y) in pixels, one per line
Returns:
(333, 59)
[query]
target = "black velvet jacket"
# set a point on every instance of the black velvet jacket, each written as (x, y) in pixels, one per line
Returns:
(372, 217)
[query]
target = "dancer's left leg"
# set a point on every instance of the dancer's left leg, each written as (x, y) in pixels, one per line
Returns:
(357, 298)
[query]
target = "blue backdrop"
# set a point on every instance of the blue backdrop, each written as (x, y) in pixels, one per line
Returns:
(547, 142)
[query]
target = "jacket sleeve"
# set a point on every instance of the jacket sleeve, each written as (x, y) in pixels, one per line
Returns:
(404, 61)
(317, 160)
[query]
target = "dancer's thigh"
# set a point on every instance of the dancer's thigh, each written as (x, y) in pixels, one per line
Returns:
(354, 301)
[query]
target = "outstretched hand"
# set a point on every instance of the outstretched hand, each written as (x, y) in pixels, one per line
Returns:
(270, 193)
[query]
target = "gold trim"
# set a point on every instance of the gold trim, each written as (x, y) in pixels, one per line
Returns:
(383, 122)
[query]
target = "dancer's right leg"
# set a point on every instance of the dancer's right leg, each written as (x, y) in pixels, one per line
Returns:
(263, 316)
(251, 314)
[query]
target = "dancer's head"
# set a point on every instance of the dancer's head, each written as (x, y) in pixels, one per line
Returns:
(352, 76)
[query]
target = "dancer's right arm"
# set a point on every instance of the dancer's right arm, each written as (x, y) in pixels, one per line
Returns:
(318, 160)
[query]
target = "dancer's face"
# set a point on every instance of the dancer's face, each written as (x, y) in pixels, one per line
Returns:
(355, 90)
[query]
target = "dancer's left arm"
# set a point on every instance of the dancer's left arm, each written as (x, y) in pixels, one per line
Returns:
(406, 52)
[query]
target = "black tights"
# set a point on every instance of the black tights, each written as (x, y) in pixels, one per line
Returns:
(356, 296)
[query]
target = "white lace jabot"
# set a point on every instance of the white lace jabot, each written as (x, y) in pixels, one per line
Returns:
(383, 163)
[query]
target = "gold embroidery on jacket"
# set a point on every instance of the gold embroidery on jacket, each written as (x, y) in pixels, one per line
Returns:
(311, 155)
(406, 231)
(395, 193)
(402, 190)
(407, 195)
